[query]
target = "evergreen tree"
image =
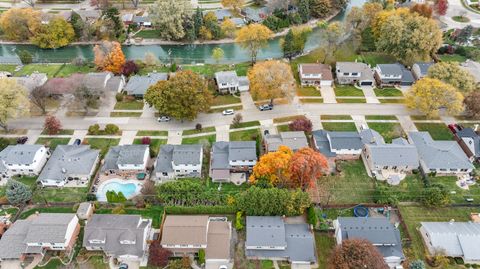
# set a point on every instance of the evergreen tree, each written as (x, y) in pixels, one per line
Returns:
(304, 10)
(17, 192)
(198, 21)
(288, 46)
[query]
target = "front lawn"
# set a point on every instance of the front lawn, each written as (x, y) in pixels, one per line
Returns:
(336, 117)
(227, 99)
(389, 130)
(339, 126)
(287, 119)
(52, 143)
(103, 144)
(308, 91)
(148, 34)
(311, 100)
(438, 131)
(66, 194)
(347, 90)
(117, 114)
(152, 133)
(283, 128)
(351, 100)
(196, 140)
(452, 58)
(246, 135)
(391, 101)
(210, 129)
(245, 124)
(129, 105)
(61, 132)
(380, 117)
(154, 145)
(388, 92)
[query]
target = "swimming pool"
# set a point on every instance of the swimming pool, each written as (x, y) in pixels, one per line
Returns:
(129, 188)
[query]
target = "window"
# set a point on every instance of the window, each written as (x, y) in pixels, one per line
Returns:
(164, 174)
(346, 74)
(354, 74)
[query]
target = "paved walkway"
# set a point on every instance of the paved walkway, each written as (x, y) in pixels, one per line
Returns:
(127, 137)
(328, 95)
(370, 95)
(174, 137)
(108, 104)
(222, 133)
(33, 136)
(78, 134)
(407, 124)
(268, 125)
(247, 101)
(455, 8)
(148, 112)
(359, 121)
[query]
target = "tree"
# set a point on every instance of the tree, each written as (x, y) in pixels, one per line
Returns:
(409, 37)
(109, 56)
(320, 8)
(197, 21)
(253, 37)
(233, 4)
(129, 68)
(150, 59)
(182, 97)
(273, 167)
(436, 195)
(25, 57)
(20, 24)
(418, 264)
(356, 253)
(52, 125)
(429, 95)
(217, 54)
(287, 45)
(17, 193)
(87, 97)
(451, 73)
(424, 10)
(57, 33)
(228, 28)
(304, 10)
(13, 101)
(168, 16)
(39, 97)
(332, 34)
(158, 256)
(237, 119)
(112, 15)
(270, 80)
(306, 166)
(472, 108)
(464, 35)
(301, 124)
(441, 7)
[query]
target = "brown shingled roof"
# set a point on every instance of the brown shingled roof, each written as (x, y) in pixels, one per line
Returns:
(323, 69)
(185, 230)
(218, 240)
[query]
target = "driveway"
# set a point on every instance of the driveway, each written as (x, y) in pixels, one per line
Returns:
(328, 95)
(11, 264)
(455, 8)
(222, 133)
(370, 95)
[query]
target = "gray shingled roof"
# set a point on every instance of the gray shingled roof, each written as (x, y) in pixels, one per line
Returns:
(96, 80)
(338, 141)
(365, 71)
(265, 231)
(178, 154)
(370, 136)
(391, 69)
(138, 85)
(376, 230)
(114, 228)
(423, 67)
(221, 14)
(224, 152)
(114, 83)
(83, 208)
(32, 81)
(293, 140)
(439, 154)
(19, 154)
(470, 133)
(124, 155)
(226, 77)
(407, 76)
(71, 159)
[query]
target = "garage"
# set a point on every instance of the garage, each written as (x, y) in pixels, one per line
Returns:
(326, 82)
(366, 83)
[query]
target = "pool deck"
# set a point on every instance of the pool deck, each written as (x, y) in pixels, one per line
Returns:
(103, 198)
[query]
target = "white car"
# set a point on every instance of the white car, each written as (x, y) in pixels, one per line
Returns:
(163, 119)
(228, 112)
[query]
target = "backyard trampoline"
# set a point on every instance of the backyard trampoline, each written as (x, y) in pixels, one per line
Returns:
(360, 211)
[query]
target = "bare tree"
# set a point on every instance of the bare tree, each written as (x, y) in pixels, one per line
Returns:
(31, 3)
(39, 97)
(135, 3)
(87, 97)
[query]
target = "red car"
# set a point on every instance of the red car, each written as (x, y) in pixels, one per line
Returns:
(454, 127)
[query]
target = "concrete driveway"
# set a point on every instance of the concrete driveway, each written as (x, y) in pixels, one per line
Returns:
(328, 95)
(11, 264)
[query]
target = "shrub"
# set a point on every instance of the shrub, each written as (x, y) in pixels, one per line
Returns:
(22, 140)
(301, 124)
(239, 221)
(200, 209)
(436, 195)
(201, 256)
(91, 197)
(78, 61)
(25, 57)
(146, 140)
(52, 125)
(94, 129)
(119, 209)
(198, 127)
(119, 97)
(384, 195)
(111, 129)
(312, 216)
(418, 264)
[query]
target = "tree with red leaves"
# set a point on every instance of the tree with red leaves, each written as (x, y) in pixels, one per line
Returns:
(301, 124)
(356, 253)
(424, 10)
(441, 7)
(146, 140)
(52, 125)
(306, 166)
(130, 67)
(158, 256)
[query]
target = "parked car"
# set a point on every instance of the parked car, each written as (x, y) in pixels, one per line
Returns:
(163, 119)
(123, 266)
(228, 112)
(77, 142)
(265, 107)
(223, 267)
(454, 128)
(266, 132)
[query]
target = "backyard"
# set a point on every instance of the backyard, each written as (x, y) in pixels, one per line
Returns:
(103, 144)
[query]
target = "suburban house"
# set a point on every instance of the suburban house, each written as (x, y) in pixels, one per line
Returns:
(187, 234)
(22, 160)
(440, 157)
(142, 21)
(85, 210)
(126, 160)
(177, 161)
(469, 141)
(69, 163)
(378, 230)
(393, 74)
(239, 22)
(279, 238)
(294, 140)
(315, 74)
(354, 73)
(232, 161)
(255, 15)
(32, 81)
(124, 237)
(127, 18)
(420, 70)
(454, 239)
(341, 145)
(90, 15)
(138, 85)
(104, 81)
(389, 162)
(38, 234)
(220, 14)
(473, 68)
(229, 82)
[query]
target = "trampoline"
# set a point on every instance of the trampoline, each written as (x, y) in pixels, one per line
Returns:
(360, 211)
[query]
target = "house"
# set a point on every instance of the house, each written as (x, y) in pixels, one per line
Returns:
(315, 75)
(25, 160)
(38, 234)
(232, 160)
(255, 15)
(340, 145)
(239, 22)
(89, 16)
(124, 237)
(126, 160)
(127, 18)
(293, 140)
(454, 239)
(473, 68)
(469, 141)
(142, 21)
(354, 73)
(69, 163)
(277, 238)
(420, 70)
(187, 234)
(393, 74)
(85, 210)
(378, 230)
(32, 81)
(138, 85)
(220, 14)
(104, 81)
(229, 82)
(177, 161)
(389, 162)
(440, 157)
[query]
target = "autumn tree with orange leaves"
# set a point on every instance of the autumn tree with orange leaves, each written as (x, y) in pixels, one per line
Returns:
(306, 166)
(273, 167)
(109, 56)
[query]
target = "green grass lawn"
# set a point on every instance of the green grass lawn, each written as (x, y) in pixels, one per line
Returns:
(336, 117)
(380, 117)
(283, 128)
(260, 264)
(153, 212)
(66, 194)
(374, 58)
(209, 70)
(324, 244)
(423, 117)
(61, 132)
(351, 100)
(308, 91)
(438, 131)
(103, 144)
(388, 92)
(29, 181)
(52, 264)
(409, 190)
(52, 143)
(388, 130)
(69, 69)
(286, 119)
(210, 129)
(245, 124)
(462, 19)
(196, 140)
(49, 69)
(227, 99)
(8, 68)
(452, 58)
(339, 126)
(460, 194)
(27, 213)
(347, 90)
(246, 135)
(311, 100)
(129, 105)
(392, 101)
(148, 34)
(125, 114)
(152, 133)
(154, 144)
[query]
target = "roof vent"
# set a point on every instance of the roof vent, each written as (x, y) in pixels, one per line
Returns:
(451, 221)
(64, 170)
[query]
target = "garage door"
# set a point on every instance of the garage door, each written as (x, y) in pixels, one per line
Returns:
(366, 83)
(326, 83)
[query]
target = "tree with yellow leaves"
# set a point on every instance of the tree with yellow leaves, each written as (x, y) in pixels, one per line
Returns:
(57, 33)
(253, 37)
(109, 56)
(228, 28)
(13, 101)
(429, 95)
(233, 4)
(20, 24)
(273, 167)
(270, 80)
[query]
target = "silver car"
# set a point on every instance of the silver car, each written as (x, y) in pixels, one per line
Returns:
(163, 119)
